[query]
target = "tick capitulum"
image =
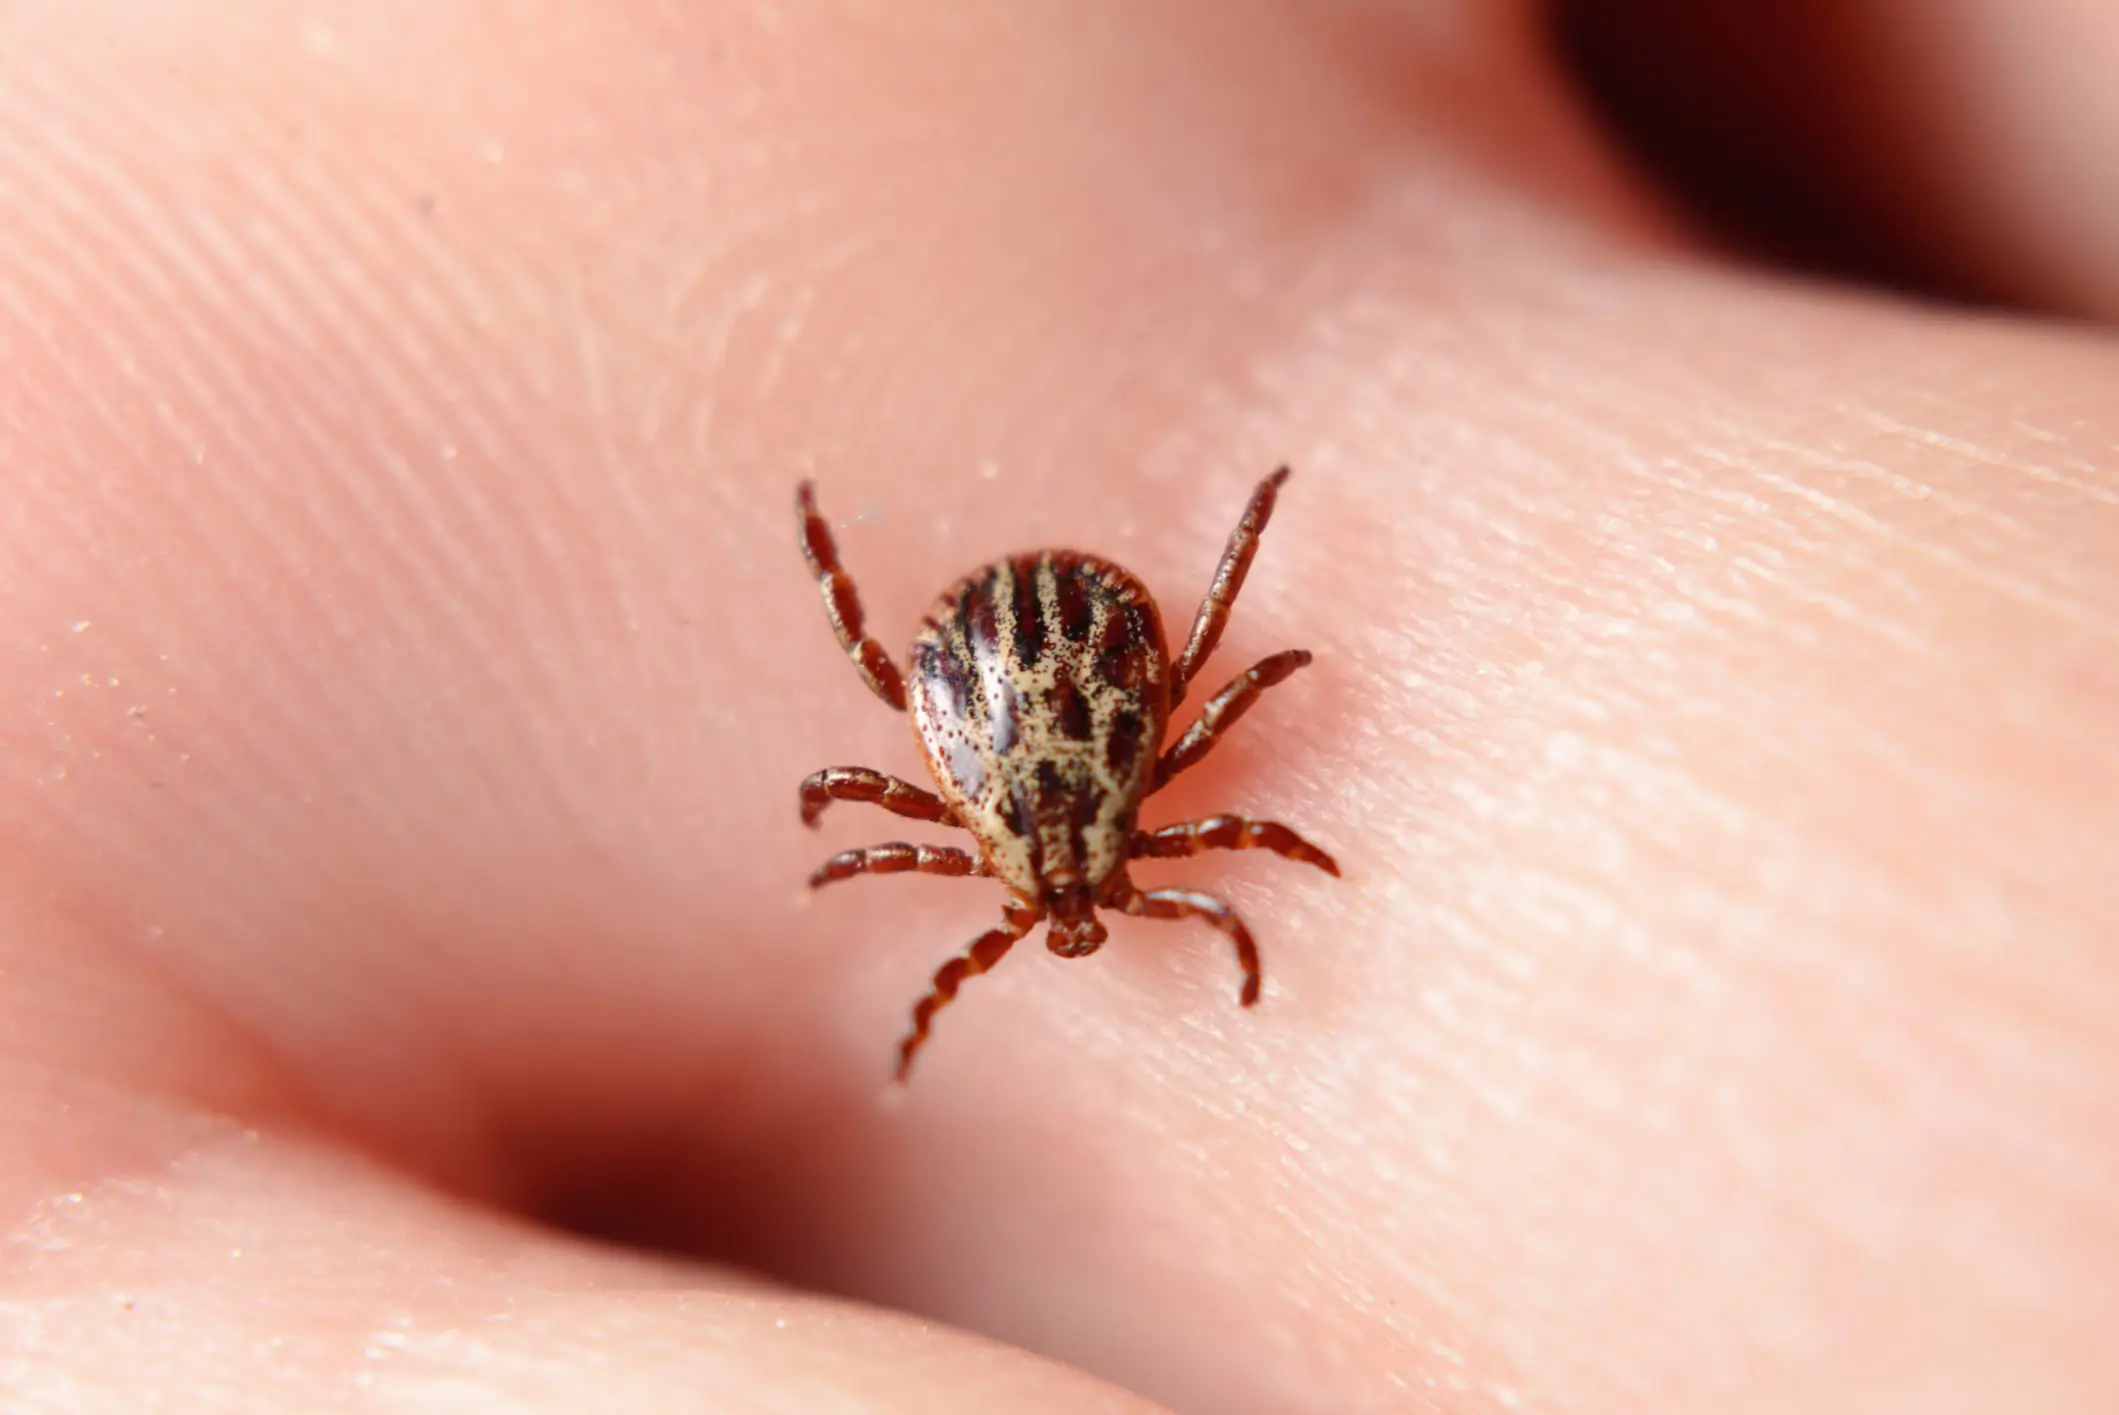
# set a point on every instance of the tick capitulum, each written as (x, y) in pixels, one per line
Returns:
(1041, 687)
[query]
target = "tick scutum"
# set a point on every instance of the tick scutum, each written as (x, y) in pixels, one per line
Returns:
(1046, 748)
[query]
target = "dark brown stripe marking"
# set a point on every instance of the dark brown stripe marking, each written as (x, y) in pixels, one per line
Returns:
(1029, 611)
(1122, 660)
(1070, 710)
(1122, 752)
(1088, 805)
(1070, 596)
(1123, 666)
(979, 618)
(1014, 816)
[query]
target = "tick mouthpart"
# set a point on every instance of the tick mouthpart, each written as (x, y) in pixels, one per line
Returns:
(1075, 938)
(1075, 930)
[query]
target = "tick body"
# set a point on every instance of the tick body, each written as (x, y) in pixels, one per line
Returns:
(1041, 689)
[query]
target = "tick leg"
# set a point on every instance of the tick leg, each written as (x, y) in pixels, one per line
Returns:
(858, 783)
(981, 954)
(1213, 614)
(843, 604)
(1191, 904)
(1223, 709)
(897, 858)
(1229, 833)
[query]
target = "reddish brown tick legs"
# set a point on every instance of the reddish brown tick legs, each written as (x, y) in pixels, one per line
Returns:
(1041, 689)
(858, 783)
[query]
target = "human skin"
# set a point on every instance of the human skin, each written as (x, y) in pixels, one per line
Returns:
(410, 666)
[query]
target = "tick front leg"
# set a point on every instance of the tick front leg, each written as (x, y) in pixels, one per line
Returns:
(1191, 904)
(897, 858)
(1213, 614)
(982, 953)
(1222, 710)
(843, 604)
(1229, 833)
(858, 783)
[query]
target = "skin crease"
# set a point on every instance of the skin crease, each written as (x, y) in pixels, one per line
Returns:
(1964, 141)
(410, 667)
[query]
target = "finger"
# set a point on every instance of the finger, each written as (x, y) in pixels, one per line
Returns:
(1659, 968)
(144, 1283)
(1967, 144)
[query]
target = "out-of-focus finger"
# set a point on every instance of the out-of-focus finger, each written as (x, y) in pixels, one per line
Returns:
(1967, 144)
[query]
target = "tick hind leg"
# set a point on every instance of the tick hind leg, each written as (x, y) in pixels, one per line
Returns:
(1223, 709)
(979, 956)
(1228, 833)
(1213, 614)
(1191, 904)
(896, 858)
(858, 783)
(843, 603)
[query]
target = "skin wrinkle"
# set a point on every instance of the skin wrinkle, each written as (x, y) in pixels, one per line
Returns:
(1383, 788)
(319, 451)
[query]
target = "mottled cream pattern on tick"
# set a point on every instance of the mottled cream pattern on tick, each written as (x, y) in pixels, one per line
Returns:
(1041, 689)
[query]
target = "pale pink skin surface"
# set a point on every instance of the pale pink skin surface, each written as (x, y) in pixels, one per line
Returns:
(409, 668)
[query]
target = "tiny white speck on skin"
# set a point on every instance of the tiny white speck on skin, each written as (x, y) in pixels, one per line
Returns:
(81, 626)
(318, 40)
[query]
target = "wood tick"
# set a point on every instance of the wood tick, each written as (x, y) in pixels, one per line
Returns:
(1041, 688)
